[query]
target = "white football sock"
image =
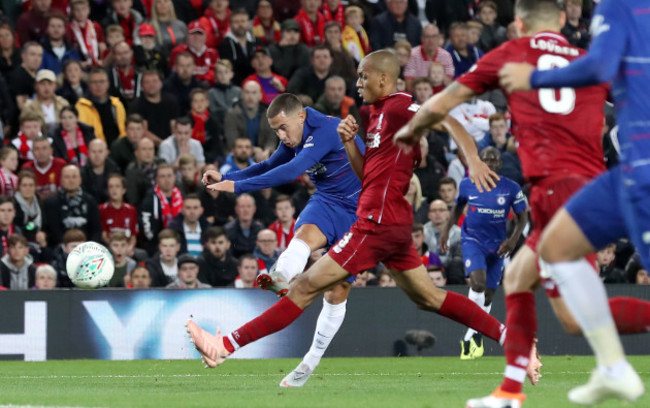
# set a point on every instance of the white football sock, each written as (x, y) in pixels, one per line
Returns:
(585, 296)
(293, 260)
(329, 322)
(479, 299)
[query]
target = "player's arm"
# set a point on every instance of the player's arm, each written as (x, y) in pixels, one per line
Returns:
(519, 207)
(347, 130)
(456, 212)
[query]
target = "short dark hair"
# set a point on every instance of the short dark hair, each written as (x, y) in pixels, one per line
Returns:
(286, 102)
(150, 72)
(30, 44)
(74, 235)
(118, 236)
(247, 256)
(134, 118)
(164, 166)
(4, 199)
(16, 239)
(57, 15)
(97, 70)
(533, 10)
(238, 11)
(26, 173)
(196, 91)
(422, 80)
(70, 109)
(117, 176)
(417, 227)
(168, 234)
(447, 180)
(183, 121)
(457, 26)
(215, 232)
(320, 47)
(192, 196)
(184, 55)
(284, 197)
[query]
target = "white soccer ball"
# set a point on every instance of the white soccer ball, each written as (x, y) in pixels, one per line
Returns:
(90, 265)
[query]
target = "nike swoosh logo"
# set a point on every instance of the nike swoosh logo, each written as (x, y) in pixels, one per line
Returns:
(473, 197)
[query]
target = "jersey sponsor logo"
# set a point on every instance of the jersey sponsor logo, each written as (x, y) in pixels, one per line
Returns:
(373, 140)
(343, 242)
(598, 26)
(317, 170)
(500, 213)
(552, 46)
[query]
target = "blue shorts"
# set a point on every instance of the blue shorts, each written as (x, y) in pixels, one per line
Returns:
(607, 209)
(331, 218)
(476, 257)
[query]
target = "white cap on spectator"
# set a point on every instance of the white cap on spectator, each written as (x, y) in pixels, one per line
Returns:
(45, 75)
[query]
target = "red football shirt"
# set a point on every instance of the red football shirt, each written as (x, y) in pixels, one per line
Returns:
(387, 169)
(559, 131)
(48, 178)
(123, 219)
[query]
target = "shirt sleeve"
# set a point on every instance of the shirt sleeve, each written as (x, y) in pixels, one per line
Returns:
(609, 32)
(484, 75)
(519, 202)
(461, 200)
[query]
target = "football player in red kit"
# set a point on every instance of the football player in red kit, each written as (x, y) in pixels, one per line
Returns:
(383, 231)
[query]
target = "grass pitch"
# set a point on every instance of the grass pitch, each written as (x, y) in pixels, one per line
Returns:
(339, 382)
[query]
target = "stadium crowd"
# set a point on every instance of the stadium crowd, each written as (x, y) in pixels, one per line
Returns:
(112, 110)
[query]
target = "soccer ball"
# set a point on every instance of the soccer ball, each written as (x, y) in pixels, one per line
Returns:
(90, 265)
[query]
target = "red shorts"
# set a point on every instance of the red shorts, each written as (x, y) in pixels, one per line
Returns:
(547, 196)
(369, 243)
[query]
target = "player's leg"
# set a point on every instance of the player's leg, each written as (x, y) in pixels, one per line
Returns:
(487, 282)
(475, 269)
(323, 275)
(572, 234)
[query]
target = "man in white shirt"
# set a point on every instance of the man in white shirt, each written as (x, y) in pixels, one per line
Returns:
(180, 143)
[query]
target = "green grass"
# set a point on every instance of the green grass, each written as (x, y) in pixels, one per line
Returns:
(339, 382)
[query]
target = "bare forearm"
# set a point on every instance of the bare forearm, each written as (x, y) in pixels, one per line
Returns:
(355, 157)
(521, 220)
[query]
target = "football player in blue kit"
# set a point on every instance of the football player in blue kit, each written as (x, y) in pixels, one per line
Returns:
(615, 204)
(483, 239)
(309, 143)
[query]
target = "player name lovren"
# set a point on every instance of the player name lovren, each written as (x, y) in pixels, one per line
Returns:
(552, 46)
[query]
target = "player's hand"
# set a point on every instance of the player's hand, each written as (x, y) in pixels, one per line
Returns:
(515, 76)
(347, 129)
(444, 239)
(481, 176)
(211, 177)
(506, 247)
(227, 186)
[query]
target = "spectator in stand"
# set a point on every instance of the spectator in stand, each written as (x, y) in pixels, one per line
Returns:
(45, 278)
(7, 217)
(46, 167)
(204, 57)
(464, 55)
(422, 89)
(8, 166)
(248, 120)
(312, 23)
(123, 150)
(266, 251)
(114, 36)
(438, 216)
(126, 82)
(205, 129)
(417, 233)
(87, 34)
(354, 37)
(159, 207)
(343, 64)
(512, 33)
(95, 173)
(188, 271)
(180, 142)
(182, 81)
(424, 55)
(500, 137)
(219, 207)
(474, 116)
(289, 54)
(30, 129)
(334, 102)
(140, 174)
(265, 27)
(71, 208)
(238, 45)
(393, 25)
(46, 105)
(17, 270)
(118, 244)
(242, 231)
(222, 96)
(447, 191)
(417, 201)
(437, 276)
(493, 33)
(190, 225)
(71, 138)
(56, 49)
(248, 269)
(140, 278)
(265, 205)
(216, 266)
(217, 15)
(32, 25)
(605, 262)
(129, 19)
(74, 85)
(21, 80)
(148, 55)
(188, 175)
(285, 223)
(154, 106)
(163, 266)
(169, 31)
(386, 280)
(429, 171)
(635, 271)
(271, 84)
(8, 110)
(333, 10)
(29, 217)
(310, 80)
(105, 113)
(403, 51)
(437, 76)
(576, 29)
(71, 239)
(116, 215)
(9, 52)
(474, 31)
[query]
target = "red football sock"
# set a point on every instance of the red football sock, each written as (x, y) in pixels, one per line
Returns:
(521, 321)
(631, 315)
(464, 311)
(276, 318)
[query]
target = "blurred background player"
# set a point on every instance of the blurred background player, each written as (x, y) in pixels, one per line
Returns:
(483, 239)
